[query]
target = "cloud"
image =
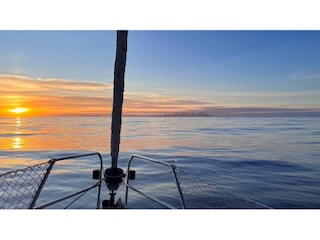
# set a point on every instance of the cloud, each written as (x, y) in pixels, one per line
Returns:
(47, 97)
(312, 77)
(54, 96)
(305, 76)
(251, 95)
(60, 97)
(154, 104)
(29, 86)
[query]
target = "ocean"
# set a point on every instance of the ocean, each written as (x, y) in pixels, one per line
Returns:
(273, 160)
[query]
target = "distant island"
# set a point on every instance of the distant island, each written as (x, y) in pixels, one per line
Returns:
(186, 114)
(240, 112)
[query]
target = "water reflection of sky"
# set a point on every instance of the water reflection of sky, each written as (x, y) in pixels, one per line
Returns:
(84, 133)
(18, 122)
(244, 153)
(216, 135)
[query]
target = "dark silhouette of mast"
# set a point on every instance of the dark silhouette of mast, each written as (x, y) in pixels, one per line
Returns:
(114, 175)
(118, 89)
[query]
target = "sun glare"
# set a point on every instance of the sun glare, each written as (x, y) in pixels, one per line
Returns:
(19, 110)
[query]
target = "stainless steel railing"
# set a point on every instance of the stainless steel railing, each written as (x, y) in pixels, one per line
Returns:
(170, 166)
(83, 191)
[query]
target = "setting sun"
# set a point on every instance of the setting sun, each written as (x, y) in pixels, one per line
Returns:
(19, 110)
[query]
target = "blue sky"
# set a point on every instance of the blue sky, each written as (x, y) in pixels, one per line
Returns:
(216, 68)
(226, 61)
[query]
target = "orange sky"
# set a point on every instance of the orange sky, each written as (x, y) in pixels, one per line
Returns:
(57, 97)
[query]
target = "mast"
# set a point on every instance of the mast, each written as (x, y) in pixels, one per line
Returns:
(118, 89)
(114, 175)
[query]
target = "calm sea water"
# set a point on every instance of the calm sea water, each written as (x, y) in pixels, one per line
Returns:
(275, 161)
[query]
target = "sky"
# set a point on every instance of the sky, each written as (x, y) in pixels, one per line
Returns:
(222, 73)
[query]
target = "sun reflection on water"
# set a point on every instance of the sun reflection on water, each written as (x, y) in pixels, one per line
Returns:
(18, 122)
(17, 143)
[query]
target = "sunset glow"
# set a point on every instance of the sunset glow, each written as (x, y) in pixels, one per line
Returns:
(57, 97)
(19, 110)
